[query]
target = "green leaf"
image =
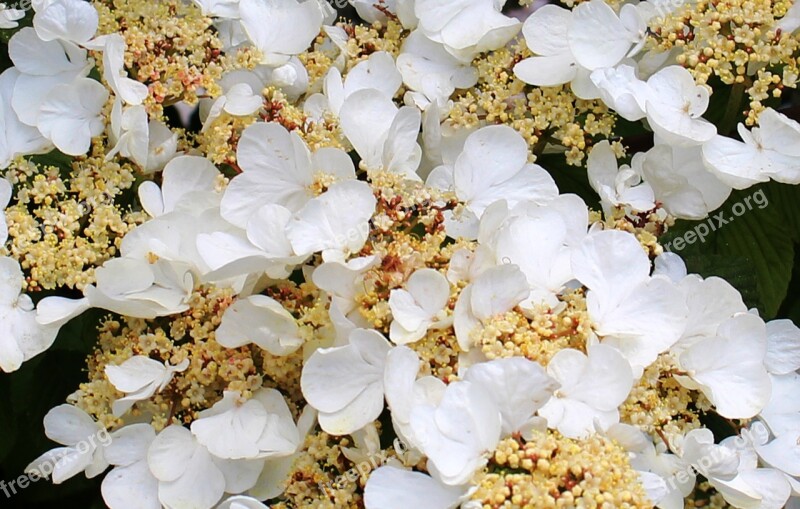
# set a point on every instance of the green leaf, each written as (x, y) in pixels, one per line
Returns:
(751, 243)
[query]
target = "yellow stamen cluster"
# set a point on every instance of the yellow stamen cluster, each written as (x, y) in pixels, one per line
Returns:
(539, 338)
(172, 48)
(646, 226)
(737, 41)
(190, 335)
(365, 40)
(659, 403)
(322, 477)
(542, 115)
(67, 220)
(551, 471)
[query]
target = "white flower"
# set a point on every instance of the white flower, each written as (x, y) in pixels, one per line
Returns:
(291, 78)
(43, 65)
(345, 384)
(431, 72)
(511, 178)
(280, 29)
(277, 168)
(71, 115)
(21, 337)
(710, 302)
(263, 247)
(389, 487)
(783, 452)
(466, 27)
(261, 320)
(69, 20)
(130, 485)
(335, 223)
(129, 90)
(713, 461)
(767, 151)
(681, 182)
(384, 135)
(260, 427)
(343, 282)
(496, 291)
(172, 240)
(127, 286)
(129, 133)
(241, 95)
(729, 367)
(637, 314)
(592, 387)
(189, 476)
(404, 391)
(753, 486)
(617, 186)
(419, 307)
(622, 90)
(459, 433)
(185, 181)
(378, 72)
(139, 378)
(598, 37)
(675, 104)
(83, 439)
(670, 479)
(518, 386)
(16, 138)
(540, 241)
(570, 44)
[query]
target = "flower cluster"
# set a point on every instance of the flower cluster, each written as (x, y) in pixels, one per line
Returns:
(357, 284)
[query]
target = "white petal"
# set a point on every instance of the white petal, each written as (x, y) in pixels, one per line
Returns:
(597, 38)
(69, 425)
(519, 387)
(71, 20)
(131, 487)
(32, 55)
(233, 433)
(547, 71)
(200, 487)
(70, 115)
(170, 452)
(276, 169)
(261, 320)
(135, 373)
(498, 290)
(129, 444)
(393, 488)
(545, 30)
(730, 367)
(335, 221)
(280, 28)
(783, 347)
(456, 434)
